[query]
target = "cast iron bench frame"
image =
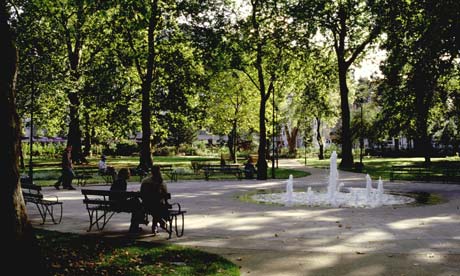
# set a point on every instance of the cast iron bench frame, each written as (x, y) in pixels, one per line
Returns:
(226, 169)
(101, 209)
(138, 172)
(82, 174)
(421, 173)
(169, 171)
(451, 174)
(32, 194)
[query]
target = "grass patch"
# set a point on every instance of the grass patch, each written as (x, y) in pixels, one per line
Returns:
(71, 254)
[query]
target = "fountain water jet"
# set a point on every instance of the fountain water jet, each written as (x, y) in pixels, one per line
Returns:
(289, 190)
(336, 195)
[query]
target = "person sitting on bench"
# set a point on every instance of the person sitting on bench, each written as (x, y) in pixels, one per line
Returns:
(154, 198)
(249, 169)
(102, 165)
(133, 204)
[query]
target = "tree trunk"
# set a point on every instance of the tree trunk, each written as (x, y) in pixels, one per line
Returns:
(319, 139)
(262, 151)
(73, 54)
(423, 99)
(87, 135)
(292, 139)
(74, 135)
(17, 239)
(396, 144)
(146, 161)
(232, 142)
(261, 161)
(347, 154)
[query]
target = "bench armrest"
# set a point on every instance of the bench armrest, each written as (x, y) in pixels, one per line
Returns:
(56, 198)
(177, 205)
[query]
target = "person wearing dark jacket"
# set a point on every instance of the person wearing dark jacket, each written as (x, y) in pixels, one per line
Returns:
(132, 205)
(67, 170)
(154, 198)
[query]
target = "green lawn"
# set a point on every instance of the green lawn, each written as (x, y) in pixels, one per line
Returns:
(70, 254)
(47, 171)
(381, 167)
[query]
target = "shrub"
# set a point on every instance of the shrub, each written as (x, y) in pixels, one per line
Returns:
(126, 148)
(165, 151)
(187, 149)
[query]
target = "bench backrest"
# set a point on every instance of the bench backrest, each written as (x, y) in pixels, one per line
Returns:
(102, 198)
(225, 167)
(107, 193)
(31, 191)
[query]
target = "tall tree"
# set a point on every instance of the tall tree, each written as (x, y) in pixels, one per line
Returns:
(259, 51)
(423, 46)
(17, 239)
(349, 27)
(149, 43)
(319, 96)
(231, 107)
(68, 26)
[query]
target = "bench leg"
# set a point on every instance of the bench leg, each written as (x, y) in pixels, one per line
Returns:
(181, 226)
(42, 211)
(50, 210)
(95, 218)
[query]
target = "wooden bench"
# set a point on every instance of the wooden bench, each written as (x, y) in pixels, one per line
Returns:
(169, 171)
(172, 221)
(420, 173)
(197, 166)
(451, 174)
(32, 194)
(82, 175)
(101, 209)
(109, 175)
(138, 172)
(218, 169)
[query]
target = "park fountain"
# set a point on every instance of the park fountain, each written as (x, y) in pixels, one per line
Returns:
(289, 190)
(336, 195)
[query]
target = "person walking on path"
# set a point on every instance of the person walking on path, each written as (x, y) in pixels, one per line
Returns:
(67, 170)
(154, 198)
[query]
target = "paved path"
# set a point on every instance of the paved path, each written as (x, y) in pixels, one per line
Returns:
(276, 240)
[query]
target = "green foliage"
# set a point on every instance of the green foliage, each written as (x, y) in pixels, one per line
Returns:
(422, 49)
(43, 149)
(165, 151)
(127, 148)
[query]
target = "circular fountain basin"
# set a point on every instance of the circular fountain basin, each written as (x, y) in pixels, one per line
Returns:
(349, 198)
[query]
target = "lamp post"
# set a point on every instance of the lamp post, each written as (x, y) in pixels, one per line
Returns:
(361, 138)
(32, 104)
